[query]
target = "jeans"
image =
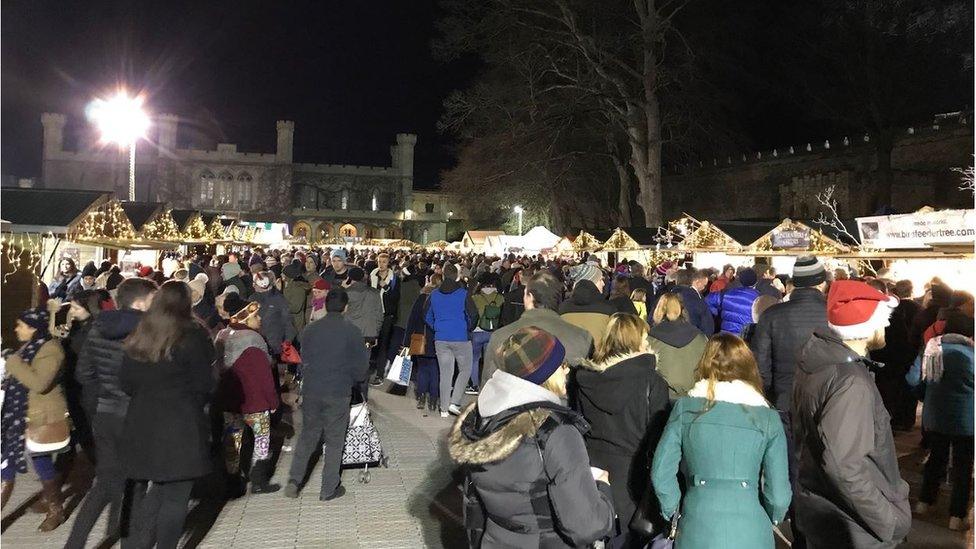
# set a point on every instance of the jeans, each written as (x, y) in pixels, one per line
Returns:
(159, 513)
(109, 483)
(428, 376)
(962, 471)
(43, 465)
(450, 353)
(323, 419)
(479, 340)
(379, 353)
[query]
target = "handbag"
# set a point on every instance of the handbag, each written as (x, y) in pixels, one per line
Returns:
(52, 437)
(289, 354)
(663, 541)
(418, 344)
(400, 369)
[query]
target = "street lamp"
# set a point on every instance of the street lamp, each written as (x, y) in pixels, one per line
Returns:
(519, 211)
(121, 120)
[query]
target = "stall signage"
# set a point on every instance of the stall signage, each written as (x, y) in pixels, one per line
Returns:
(791, 239)
(917, 230)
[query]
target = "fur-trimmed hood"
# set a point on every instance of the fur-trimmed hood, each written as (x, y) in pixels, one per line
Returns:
(495, 445)
(588, 364)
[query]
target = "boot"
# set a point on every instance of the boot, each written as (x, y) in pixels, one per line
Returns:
(421, 401)
(235, 485)
(261, 477)
(8, 490)
(51, 492)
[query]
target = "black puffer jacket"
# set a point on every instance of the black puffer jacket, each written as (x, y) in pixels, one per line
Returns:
(850, 492)
(781, 332)
(100, 359)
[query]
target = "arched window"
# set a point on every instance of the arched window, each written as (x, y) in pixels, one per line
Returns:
(423, 238)
(393, 232)
(205, 192)
(225, 191)
(301, 230)
(347, 230)
(245, 191)
(344, 203)
(370, 231)
(373, 203)
(325, 230)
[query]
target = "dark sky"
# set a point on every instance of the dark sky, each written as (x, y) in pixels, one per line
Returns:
(350, 74)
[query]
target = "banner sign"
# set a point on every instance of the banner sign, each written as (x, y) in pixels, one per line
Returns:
(791, 239)
(917, 230)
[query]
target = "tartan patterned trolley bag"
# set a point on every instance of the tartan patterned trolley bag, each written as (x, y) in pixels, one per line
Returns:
(362, 445)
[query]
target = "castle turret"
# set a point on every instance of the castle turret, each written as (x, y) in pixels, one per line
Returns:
(167, 125)
(402, 154)
(53, 132)
(286, 141)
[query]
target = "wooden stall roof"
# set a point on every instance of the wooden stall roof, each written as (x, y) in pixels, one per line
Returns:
(44, 210)
(139, 213)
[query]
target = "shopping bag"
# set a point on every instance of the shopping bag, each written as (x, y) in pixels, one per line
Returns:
(362, 443)
(400, 369)
(289, 354)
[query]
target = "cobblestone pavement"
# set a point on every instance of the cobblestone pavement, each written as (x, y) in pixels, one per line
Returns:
(413, 503)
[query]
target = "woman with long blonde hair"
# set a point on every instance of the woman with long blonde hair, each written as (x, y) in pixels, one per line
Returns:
(677, 343)
(731, 447)
(625, 401)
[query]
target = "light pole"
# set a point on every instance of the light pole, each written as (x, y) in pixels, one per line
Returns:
(121, 120)
(519, 211)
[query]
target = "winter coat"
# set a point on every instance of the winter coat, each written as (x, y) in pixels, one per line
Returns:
(296, 292)
(416, 325)
(623, 304)
(780, 333)
(409, 291)
(451, 312)
(698, 312)
(850, 492)
(481, 301)
(719, 284)
(948, 402)
(333, 278)
(63, 287)
(276, 323)
(678, 346)
(765, 287)
(626, 403)
(365, 309)
(577, 341)
(389, 293)
(243, 289)
(501, 453)
(334, 357)
(45, 398)
(166, 435)
(246, 383)
(206, 313)
(734, 460)
(100, 359)
(587, 309)
(513, 307)
(733, 308)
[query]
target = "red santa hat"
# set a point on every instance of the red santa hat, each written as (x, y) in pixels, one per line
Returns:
(855, 310)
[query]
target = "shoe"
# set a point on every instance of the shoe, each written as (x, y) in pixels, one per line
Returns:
(471, 390)
(376, 382)
(261, 478)
(8, 490)
(432, 403)
(291, 490)
(287, 448)
(421, 401)
(445, 414)
(921, 508)
(235, 486)
(454, 409)
(51, 490)
(339, 492)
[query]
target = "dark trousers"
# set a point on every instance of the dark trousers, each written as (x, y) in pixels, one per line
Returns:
(324, 419)
(396, 342)
(428, 376)
(378, 356)
(962, 471)
(792, 460)
(158, 514)
(109, 482)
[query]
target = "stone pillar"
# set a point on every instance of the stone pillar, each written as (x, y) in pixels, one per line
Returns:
(167, 125)
(53, 132)
(403, 165)
(286, 141)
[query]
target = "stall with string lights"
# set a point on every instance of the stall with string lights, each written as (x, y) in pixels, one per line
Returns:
(791, 239)
(714, 244)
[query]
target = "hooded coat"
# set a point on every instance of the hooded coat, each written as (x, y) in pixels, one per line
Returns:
(100, 359)
(679, 346)
(732, 453)
(365, 309)
(276, 323)
(587, 309)
(698, 313)
(626, 403)
(733, 308)
(451, 312)
(948, 400)
(577, 341)
(247, 383)
(409, 291)
(849, 490)
(296, 292)
(495, 440)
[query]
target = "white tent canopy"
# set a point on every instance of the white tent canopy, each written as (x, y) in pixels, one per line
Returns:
(537, 239)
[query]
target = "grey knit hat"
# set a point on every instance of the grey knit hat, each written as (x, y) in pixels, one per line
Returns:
(808, 271)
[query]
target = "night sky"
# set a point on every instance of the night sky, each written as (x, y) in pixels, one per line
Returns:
(350, 74)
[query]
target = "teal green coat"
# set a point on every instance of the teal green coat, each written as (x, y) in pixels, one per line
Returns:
(724, 453)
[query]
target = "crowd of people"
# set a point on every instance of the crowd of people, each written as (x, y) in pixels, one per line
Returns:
(617, 402)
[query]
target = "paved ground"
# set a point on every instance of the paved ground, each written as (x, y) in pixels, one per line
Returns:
(414, 503)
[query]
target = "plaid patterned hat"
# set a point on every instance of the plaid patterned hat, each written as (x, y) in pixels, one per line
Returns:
(532, 354)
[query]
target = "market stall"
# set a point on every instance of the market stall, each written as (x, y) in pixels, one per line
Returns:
(791, 239)
(713, 243)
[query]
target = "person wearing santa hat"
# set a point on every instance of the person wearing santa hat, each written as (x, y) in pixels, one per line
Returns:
(850, 492)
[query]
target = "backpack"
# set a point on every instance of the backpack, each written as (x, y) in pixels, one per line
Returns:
(488, 321)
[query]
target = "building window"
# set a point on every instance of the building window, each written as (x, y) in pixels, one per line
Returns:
(370, 232)
(348, 230)
(429, 207)
(205, 196)
(245, 191)
(373, 204)
(344, 203)
(423, 239)
(225, 191)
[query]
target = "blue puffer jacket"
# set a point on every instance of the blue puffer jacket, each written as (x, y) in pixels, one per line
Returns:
(451, 312)
(733, 308)
(948, 402)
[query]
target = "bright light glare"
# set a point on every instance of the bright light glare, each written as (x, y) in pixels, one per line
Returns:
(518, 209)
(120, 119)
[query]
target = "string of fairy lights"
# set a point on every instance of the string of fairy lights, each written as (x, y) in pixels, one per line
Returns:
(23, 252)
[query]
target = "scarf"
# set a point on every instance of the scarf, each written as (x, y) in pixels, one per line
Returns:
(318, 303)
(383, 284)
(932, 355)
